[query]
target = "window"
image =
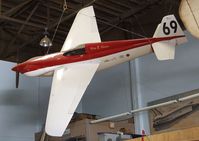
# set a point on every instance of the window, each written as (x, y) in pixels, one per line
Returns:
(75, 52)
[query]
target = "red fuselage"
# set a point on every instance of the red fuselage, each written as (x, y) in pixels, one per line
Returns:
(88, 52)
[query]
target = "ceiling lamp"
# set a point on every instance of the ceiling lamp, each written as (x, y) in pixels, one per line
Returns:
(45, 41)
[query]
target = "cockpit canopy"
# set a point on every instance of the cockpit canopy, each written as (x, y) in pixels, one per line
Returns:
(80, 51)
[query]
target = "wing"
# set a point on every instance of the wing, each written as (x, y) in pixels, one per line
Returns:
(68, 87)
(83, 30)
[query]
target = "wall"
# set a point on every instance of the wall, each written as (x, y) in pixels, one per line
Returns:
(109, 92)
(159, 79)
(23, 110)
(18, 107)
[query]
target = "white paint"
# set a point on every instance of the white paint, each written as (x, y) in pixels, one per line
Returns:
(60, 74)
(165, 50)
(121, 57)
(66, 93)
(84, 30)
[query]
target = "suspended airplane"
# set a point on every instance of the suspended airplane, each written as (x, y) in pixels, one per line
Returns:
(83, 54)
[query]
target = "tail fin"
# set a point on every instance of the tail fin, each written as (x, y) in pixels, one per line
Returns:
(169, 27)
(83, 30)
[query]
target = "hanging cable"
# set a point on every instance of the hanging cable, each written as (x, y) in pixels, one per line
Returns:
(120, 28)
(65, 7)
(141, 27)
(170, 8)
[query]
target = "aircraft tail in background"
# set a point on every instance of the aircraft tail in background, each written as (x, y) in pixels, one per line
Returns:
(169, 27)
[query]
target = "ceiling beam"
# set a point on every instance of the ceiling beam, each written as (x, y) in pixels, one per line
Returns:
(119, 3)
(16, 8)
(0, 6)
(124, 16)
(105, 10)
(112, 9)
(139, 2)
(12, 29)
(20, 21)
(52, 7)
(21, 28)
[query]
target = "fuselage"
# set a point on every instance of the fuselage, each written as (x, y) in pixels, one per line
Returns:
(107, 53)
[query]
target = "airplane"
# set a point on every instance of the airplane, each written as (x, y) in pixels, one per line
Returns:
(83, 54)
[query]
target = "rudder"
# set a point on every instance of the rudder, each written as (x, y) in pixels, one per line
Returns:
(83, 30)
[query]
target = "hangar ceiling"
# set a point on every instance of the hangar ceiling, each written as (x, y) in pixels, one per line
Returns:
(22, 22)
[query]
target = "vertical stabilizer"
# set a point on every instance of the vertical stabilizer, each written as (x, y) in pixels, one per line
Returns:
(169, 27)
(83, 30)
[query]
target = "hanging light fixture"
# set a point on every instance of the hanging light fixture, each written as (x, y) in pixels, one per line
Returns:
(45, 41)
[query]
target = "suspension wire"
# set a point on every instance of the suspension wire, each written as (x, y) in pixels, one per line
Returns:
(141, 27)
(64, 9)
(120, 28)
(58, 25)
(170, 8)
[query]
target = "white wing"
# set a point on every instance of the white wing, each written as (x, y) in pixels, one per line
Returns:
(68, 87)
(84, 30)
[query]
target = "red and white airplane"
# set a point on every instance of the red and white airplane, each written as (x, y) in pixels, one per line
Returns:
(83, 54)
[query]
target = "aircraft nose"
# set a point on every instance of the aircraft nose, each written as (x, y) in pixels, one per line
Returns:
(25, 67)
(17, 68)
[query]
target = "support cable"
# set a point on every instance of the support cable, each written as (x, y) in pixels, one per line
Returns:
(120, 28)
(65, 7)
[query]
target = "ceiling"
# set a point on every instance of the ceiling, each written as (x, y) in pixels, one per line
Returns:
(22, 22)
